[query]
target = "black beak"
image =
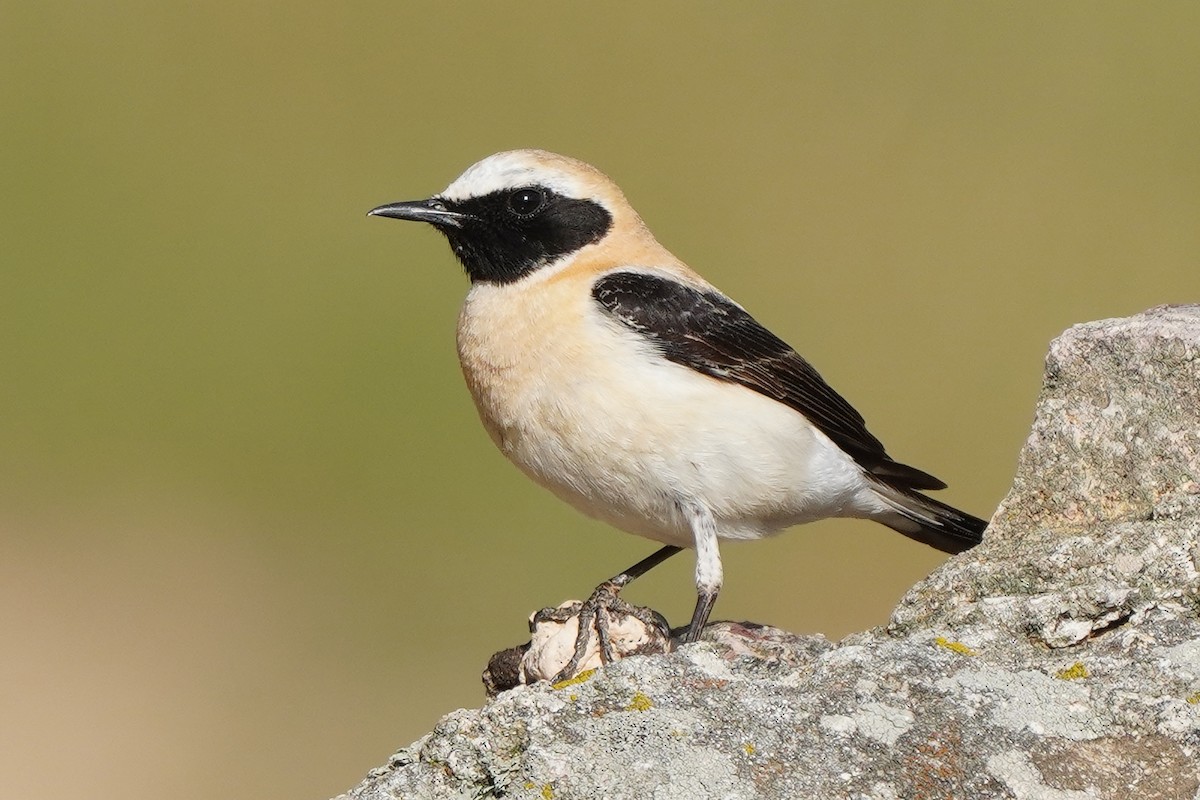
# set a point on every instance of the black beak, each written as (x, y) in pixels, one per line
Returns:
(433, 211)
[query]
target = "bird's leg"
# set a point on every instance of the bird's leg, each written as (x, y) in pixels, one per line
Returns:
(708, 567)
(604, 602)
(704, 606)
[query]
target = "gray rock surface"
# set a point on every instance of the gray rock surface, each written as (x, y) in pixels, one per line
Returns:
(1059, 660)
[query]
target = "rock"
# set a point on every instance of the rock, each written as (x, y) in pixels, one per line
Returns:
(1103, 519)
(1059, 660)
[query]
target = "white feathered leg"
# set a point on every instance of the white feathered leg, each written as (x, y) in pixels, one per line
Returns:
(708, 566)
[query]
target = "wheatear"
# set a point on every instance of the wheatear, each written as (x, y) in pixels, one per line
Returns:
(619, 379)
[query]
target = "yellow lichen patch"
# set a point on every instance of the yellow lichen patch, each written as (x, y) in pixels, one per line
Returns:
(640, 702)
(547, 792)
(1194, 698)
(1073, 672)
(749, 748)
(580, 678)
(957, 647)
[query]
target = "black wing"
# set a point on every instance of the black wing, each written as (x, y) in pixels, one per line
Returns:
(709, 333)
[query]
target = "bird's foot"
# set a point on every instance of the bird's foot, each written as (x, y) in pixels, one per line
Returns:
(608, 618)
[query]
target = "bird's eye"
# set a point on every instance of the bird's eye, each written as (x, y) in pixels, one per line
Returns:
(525, 202)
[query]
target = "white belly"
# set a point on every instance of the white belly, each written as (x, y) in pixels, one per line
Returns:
(591, 412)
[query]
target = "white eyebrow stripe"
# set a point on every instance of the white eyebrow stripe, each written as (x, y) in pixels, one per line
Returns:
(512, 170)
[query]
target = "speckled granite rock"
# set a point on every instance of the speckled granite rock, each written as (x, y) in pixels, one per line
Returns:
(1059, 660)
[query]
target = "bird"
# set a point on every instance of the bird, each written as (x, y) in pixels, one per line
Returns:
(614, 375)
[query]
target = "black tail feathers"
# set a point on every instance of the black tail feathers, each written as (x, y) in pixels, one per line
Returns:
(929, 521)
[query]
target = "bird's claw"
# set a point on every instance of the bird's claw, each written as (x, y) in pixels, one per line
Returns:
(595, 614)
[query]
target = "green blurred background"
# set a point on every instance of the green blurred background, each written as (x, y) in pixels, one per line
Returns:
(253, 537)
